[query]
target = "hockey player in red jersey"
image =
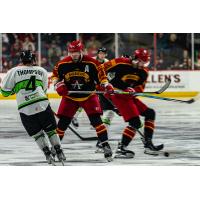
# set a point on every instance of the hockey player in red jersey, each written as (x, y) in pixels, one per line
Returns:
(78, 72)
(130, 75)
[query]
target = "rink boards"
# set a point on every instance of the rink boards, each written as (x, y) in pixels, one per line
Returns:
(183, 83)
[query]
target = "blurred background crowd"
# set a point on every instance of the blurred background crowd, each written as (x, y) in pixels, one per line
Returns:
(169, 51)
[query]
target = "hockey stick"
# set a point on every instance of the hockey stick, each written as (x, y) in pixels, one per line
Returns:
(161, 90)
(77, 134)
(156, 153)
(82, 138)
(189, 101)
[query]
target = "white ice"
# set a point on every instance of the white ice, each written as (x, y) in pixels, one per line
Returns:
(177, 126)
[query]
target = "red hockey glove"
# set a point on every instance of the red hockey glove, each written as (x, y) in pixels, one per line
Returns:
(99, 88)
(108, 88)
(130, 90)
(61, 88)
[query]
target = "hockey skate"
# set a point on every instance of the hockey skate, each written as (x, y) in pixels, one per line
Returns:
(123, 152)
(53, 152)
(75, 122)
(49, 157)
(107, 151)
(99, 147)
(60, 155)
(150, 148)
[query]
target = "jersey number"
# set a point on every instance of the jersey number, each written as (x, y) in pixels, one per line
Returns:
(31, 84)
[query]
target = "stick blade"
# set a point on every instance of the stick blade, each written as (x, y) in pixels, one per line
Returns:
(191, 101)
(194, 99)
(90, 138)
(164, 87)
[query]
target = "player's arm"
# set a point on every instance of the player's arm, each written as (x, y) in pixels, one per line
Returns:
(139, 88)
(8, 84)
(102, 71)
(103, 79)
(142, 82)
(58, 82)
(55, 75)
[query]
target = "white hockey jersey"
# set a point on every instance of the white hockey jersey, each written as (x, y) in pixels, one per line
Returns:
(30, 84)
(101, 61)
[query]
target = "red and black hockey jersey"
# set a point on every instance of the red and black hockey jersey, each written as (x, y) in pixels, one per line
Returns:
(80, 76)
(122, 73)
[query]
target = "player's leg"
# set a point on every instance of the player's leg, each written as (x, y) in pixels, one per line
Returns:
(48, 123)
(75, 118)
(130, 114)
(128, 134)
(34, 129)
(66, 111)
(108, 108)
(93, 109)
(149, 126)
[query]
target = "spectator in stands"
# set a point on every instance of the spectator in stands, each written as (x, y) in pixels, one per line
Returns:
(5, 38)
(54, 53)
(197, 62)
(176, 65)
(189, 63)
(162, 42)
(175, 51)
(28, 45)
(45, 64)
(186, 63)
(5, 50)
(64, 54)
(15, 51)
(160, 63)
(92, 50)
(92, 45)
(7, 65)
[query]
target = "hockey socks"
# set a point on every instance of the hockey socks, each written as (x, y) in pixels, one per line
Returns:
(149, 126)
(128, 135)
(60, 133)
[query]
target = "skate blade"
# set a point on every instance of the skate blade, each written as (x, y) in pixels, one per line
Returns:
(157, 153)
(62, 162)
(153, 153)
(109, 159)
(122, 156)
(52, 163)
(58, 163)
(99, 150)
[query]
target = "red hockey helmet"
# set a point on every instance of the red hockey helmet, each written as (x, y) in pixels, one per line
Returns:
(141, 55)
(75, 46)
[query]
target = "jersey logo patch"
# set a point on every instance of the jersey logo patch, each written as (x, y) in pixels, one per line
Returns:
(111, 75)
(77, 85)
(87, 68)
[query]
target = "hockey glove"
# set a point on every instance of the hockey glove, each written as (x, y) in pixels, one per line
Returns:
(61, 88)
(108, 88)
(130, 90)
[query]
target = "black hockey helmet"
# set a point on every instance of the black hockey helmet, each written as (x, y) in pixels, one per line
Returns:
(102, 49)
(27, 57)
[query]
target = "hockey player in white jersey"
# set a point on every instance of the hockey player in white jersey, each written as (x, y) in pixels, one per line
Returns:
(29, 82)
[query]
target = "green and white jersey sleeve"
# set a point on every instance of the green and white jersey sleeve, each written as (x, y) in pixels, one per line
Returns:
(30, 85)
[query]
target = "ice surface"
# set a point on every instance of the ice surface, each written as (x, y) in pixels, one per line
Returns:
(177, 126)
